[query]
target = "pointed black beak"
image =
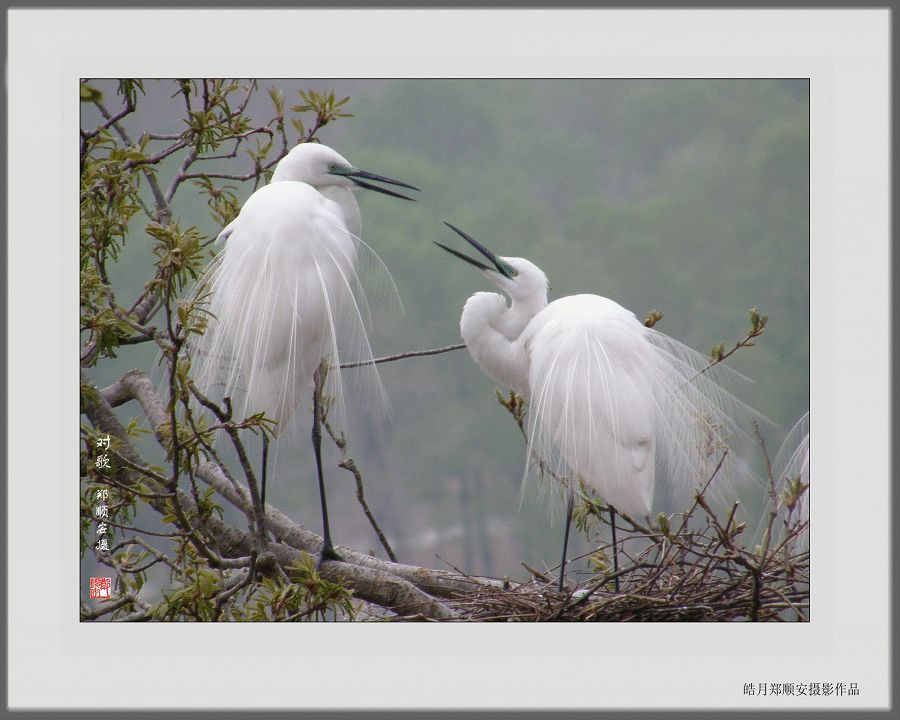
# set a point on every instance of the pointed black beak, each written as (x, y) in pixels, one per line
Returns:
(500, 266)
(360, 176)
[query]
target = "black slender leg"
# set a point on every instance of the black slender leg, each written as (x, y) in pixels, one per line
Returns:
(265, 465)
(562, 566)
(328, 551)
(612, 522)
(262, 484)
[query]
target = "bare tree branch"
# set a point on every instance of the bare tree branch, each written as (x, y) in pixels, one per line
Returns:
(401, 588)
(401, 356)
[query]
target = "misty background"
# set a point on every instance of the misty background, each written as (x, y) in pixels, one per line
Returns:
(690, 197)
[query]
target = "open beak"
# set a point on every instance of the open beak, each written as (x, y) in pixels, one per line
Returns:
(359, 177)
(500, 266)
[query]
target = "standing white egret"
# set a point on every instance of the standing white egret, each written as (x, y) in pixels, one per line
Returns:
(280, 294)
(621, 407)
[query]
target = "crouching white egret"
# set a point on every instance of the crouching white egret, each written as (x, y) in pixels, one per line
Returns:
(280, 295)
(615, 407)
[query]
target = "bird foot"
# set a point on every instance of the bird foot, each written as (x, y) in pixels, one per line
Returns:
(328, 553)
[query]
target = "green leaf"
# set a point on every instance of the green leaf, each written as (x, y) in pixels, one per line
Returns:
(90, 93)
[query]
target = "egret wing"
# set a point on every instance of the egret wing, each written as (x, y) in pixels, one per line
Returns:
(592, 408)
(281, 296)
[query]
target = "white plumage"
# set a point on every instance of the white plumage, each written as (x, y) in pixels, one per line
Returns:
(628, 411)
(792, 461)
(283, 294)
(276, 289)
(592, 385)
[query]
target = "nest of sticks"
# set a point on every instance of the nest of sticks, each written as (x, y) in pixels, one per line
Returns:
(691, 567)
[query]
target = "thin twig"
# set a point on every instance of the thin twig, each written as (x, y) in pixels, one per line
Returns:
(401, 356)
(348, 464)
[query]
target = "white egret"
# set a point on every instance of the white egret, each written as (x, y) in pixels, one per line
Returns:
(792, 475)
(280, 294)
(614, 406)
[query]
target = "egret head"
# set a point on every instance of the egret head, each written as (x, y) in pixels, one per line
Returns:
(320, 166)
(519, 278)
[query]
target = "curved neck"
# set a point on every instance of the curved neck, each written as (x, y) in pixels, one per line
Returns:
(339, 194)
(347, 202)
(485, 326)
(518, 315)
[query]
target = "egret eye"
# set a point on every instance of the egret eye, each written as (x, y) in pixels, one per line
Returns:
(513, 273)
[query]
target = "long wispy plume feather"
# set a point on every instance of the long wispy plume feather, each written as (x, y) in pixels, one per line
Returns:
(278, 305)
(609, 402)
(790, 465)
